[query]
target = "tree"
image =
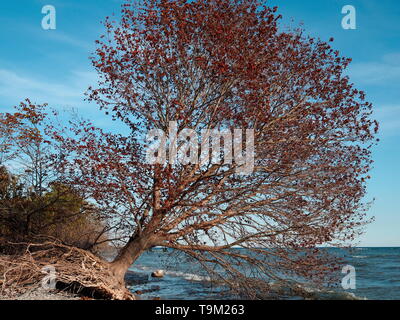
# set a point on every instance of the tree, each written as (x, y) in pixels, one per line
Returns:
(20, 131)
(33, 204)
(226, 64)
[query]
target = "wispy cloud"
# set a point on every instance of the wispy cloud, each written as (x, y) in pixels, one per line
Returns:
(65, 96)
(389, 119)
(69, 40)
(382, 72)
(15, 87)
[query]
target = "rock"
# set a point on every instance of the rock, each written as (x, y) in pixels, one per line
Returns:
(158, 274)
(151, 289)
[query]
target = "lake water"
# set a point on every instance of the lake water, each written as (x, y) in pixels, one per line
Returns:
(377, 276)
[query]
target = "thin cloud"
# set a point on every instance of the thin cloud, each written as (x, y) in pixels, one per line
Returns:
(64, 96)
(66, 39)
(389, 119)
(15, 87)
(382, 72)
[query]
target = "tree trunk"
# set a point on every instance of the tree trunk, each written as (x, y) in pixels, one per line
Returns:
(128, 255)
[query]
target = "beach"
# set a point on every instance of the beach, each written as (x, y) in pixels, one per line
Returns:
(377, 278)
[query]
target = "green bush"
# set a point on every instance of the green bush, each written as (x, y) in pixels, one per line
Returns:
(59, 213)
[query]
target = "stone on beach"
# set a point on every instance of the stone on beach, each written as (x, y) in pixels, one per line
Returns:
(158, 274)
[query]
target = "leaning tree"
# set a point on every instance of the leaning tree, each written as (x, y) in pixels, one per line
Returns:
(220, 66)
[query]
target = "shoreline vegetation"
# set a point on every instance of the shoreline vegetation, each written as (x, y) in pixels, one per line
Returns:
(34, 288)
(59, 266)
(39, 293)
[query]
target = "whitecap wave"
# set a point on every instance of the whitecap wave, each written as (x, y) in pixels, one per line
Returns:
(311, 293)
(188, 276)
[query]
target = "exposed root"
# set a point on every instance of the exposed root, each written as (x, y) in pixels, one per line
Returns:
(76, 270)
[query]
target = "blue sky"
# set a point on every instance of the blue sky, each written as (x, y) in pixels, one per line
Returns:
(53, 66)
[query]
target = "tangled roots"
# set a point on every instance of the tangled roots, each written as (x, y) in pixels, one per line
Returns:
(75, 270)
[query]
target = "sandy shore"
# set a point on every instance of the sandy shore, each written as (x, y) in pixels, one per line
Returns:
(43, 294)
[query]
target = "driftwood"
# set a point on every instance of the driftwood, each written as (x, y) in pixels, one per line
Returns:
(76, 270)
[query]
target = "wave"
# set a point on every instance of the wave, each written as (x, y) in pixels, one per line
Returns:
(284, 288)
(141, 268)
(189, 276)
(310, 293)
(337, 295)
